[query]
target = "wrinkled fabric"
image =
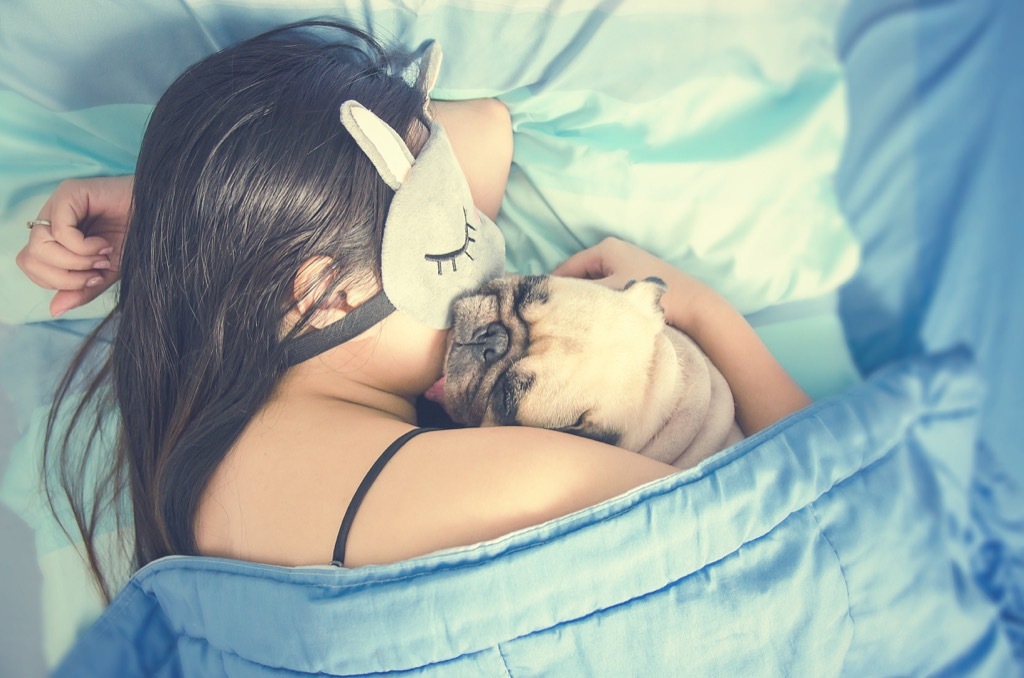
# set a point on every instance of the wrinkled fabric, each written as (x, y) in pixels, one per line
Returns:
(931, 184)
(857, 561)
(698, 130)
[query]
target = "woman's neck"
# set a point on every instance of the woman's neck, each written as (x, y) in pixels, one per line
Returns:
(382, 371)
(321, 383)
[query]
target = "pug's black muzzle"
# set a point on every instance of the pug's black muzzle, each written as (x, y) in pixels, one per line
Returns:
(489, 334)
(490, 343)
(474, 364)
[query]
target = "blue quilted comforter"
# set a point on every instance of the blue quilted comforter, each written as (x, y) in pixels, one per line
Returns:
(838, 541)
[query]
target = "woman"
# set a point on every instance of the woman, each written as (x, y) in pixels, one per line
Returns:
(254, 219)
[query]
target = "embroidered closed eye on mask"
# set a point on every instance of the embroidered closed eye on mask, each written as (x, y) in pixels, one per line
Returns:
(436, 245)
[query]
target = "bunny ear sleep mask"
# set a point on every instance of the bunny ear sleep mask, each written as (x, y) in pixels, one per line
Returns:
(436, 244)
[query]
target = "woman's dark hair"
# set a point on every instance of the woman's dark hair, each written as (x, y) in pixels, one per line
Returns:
(245, 172)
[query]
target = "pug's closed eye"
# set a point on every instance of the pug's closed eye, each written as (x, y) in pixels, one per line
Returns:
(508, 391)
(583, 427)
(577, 427)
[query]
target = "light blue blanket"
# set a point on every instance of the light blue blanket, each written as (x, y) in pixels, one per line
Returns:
(837, 541)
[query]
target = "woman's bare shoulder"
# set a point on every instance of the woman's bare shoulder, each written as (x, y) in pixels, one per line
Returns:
(460, 487)
(442, 489)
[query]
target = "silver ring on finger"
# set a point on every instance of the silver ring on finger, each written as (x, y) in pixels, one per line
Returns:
(38, 222)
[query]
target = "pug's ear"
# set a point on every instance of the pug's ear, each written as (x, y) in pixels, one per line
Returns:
(646, 293)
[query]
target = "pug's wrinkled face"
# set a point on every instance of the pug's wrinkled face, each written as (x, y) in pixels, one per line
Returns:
(558, 353)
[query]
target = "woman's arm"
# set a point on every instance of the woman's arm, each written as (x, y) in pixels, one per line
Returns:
(481, 134)
(464, 486)
(763, 391)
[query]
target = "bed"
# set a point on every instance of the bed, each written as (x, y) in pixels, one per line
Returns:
(847, 173)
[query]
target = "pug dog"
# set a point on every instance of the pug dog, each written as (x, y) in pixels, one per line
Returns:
(575, 356)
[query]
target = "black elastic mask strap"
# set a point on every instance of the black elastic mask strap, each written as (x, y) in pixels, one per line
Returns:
(360, 319)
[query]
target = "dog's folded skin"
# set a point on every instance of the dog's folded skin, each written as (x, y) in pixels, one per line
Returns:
(574, 356)
(703, 420)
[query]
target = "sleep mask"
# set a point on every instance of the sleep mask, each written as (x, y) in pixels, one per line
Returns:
(436, 245)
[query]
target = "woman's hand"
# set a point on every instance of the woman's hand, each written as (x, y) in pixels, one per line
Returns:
(614, 263)
(763, 391)
(79, 254)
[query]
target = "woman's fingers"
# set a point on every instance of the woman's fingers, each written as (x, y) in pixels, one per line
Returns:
(79, 289)
(614, 262)
(611, 262)
(48, 263)
(60, 255)
(55, 254)
(588, 263)
(53, 278)
(65, 300)
(67, 210)
(73, 240)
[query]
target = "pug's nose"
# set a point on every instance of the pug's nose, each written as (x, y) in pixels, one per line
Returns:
(491, 342)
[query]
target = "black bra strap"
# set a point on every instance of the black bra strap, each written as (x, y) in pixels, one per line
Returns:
(364, 487)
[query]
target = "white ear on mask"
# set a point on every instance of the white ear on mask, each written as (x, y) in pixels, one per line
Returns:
(381, 144)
